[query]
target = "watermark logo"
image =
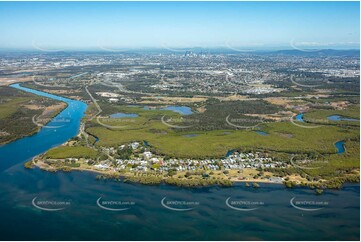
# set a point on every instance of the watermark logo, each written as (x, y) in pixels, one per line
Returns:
(240, 122)
(303, 162)
(36, 45)
(179, 205)
(298, 123)
(233, 47)
(50, 205)
(112, 205)
(233, 78)
(99, 112)
(103, 47)
(61, 121)
(98, 119)
(229, 76)
(42, 84)
(244, 205)
(77, 75)
(106, 81)
(302, 85)
(308, 205)
(171, 122)
(173, 49)
(296, 46)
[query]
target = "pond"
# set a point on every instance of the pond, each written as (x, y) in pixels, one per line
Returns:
(340, 145)
(299, 117)
(261, 132)
(190, 135)
(230, 152)
(124, 115)
(341, 118)
(183, 110)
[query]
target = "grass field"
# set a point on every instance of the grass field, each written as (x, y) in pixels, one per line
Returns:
(63, 152)
(10, 107)
(320, 116)
(16, 117)
(282, 136)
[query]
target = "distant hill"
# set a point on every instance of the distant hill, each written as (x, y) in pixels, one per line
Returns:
(195, 50)
(323, 52)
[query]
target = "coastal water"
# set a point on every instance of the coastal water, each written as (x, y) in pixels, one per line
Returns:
(211, 219)
(270, 212)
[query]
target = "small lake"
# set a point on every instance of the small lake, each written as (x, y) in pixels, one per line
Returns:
(230, 152)
(183, 110)
(299, 117)
(262, 133)
(124, 115)
(340, 145)
(179, 109)
(341, 118)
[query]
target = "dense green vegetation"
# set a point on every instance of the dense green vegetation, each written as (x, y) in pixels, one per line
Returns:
(320, 116)
(283, 140)
(283, 136)
(211, 137)
(15, 117)
(63, 152)
(214, 118)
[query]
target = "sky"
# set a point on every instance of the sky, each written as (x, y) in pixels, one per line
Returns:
(176, 25)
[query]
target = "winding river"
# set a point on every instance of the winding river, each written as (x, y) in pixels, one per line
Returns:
(63, 127)
(270, 212)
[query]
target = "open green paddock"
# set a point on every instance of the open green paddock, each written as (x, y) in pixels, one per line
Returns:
(320, 116)
(64, 152)
(282, 136)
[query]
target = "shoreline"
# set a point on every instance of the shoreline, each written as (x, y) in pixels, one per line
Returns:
(37, 128)
(200, 178)
(157, 179)
(108, 174)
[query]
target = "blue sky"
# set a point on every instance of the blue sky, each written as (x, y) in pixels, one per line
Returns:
(101, 25)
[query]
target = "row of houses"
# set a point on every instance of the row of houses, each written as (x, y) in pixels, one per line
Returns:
(147, 160)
